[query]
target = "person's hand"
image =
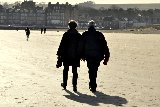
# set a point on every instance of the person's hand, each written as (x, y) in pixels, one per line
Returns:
(105, 62)
(59, 62)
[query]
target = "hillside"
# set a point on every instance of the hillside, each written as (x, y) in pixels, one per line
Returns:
(125, 6)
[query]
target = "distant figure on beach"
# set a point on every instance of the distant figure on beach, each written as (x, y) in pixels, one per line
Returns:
(41, 30)
(68, 54)
(27, 30)
(45, 30)
(94, 50)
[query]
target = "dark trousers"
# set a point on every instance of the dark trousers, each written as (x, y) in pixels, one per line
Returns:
(93, 68)
(27, 35)
(65, 75)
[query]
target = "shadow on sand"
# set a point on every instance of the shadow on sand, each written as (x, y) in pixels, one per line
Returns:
(95, 100)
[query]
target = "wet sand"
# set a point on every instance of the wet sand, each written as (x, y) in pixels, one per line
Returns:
(29, 77)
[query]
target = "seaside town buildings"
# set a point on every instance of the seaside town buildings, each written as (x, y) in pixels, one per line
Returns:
(57, 15)
(28, 14)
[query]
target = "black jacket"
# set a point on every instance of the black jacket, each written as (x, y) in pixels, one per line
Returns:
(68, 48)
(94, 45)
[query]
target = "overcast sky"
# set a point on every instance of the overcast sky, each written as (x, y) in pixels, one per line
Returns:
(96, 1)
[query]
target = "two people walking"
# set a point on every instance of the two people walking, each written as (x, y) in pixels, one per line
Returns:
(43, 30)
(91, 46)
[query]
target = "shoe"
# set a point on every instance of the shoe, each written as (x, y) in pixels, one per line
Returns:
(64, 87)
(75, 89)
(93, 90)
(89, 85)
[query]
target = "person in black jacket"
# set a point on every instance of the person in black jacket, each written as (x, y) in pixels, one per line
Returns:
(68, 54)
(94, 49)
(41, 30)
(45, 30)
(27, 30)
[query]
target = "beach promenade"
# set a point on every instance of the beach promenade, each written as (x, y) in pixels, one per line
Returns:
(29, 77)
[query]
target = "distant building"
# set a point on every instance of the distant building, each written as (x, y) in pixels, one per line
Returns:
(28, 4)
(31, 15)
(3, 15)
(28, 13)
(83, 19)
(88, 4)
(16, 17)
(109, 22)
(59, 14)
(40, 17)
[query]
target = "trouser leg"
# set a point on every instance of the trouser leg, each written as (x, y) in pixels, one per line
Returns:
(65, 75)
(27, 37)
(93, 68)
(92, 77)
(75, 76)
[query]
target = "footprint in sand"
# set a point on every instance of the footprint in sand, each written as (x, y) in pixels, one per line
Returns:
(22, 100)
(101, 86)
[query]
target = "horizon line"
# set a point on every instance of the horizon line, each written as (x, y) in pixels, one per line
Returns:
(80, 3)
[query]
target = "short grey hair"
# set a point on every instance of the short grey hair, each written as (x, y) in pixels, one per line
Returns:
(91, 23)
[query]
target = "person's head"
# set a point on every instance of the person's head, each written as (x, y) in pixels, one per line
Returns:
(91, 23)
(72, 24)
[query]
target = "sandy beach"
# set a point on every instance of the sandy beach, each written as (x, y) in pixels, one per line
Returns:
(29, 77)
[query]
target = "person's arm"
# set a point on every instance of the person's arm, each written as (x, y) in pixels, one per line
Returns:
(60, 51)
(81, 47)
(61, 46)
(107, 55)
(106, 51)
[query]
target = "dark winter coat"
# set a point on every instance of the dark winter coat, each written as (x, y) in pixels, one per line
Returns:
(27, 30)
(94, 46)
(68, 49)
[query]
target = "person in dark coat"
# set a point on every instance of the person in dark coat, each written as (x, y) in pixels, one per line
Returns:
(45, 30)
(41, 30)
(94, 49)
(27, 30)
(68, 54)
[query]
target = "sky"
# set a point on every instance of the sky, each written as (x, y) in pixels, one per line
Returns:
(96, 1)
